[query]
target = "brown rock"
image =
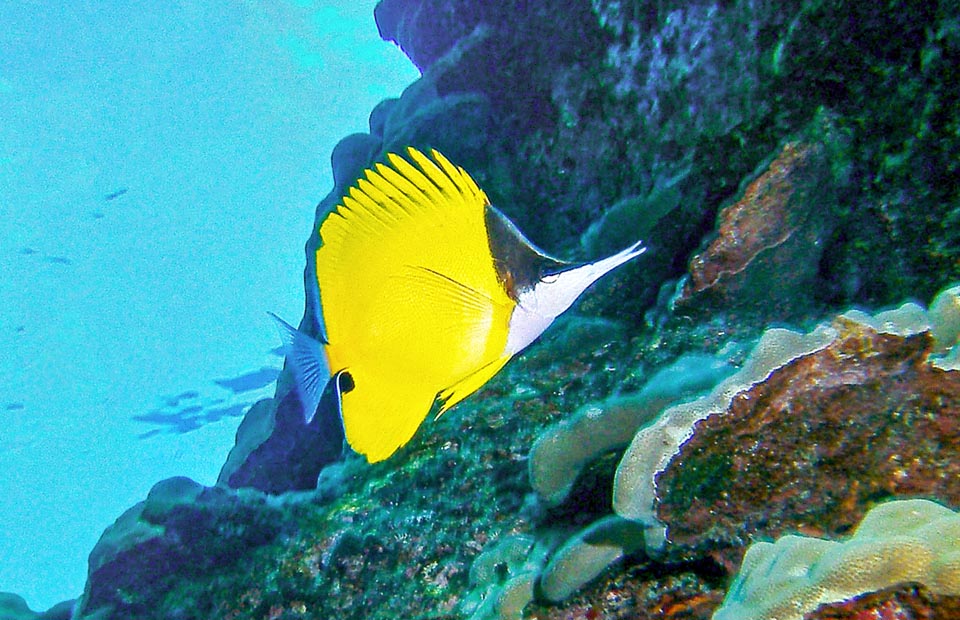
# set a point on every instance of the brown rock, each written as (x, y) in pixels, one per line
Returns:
(811, 448)
(768, 245)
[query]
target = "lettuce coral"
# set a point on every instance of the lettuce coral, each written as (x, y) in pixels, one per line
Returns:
(560, 453)
(900, 541)
(503, 579)
(945, 326)
(582, 558)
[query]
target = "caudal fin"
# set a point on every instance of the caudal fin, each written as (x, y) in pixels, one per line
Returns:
(309, 365)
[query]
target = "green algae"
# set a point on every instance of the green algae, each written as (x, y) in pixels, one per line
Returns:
(703, 482)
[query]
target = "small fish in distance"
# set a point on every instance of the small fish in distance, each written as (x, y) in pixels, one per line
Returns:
(426, 291)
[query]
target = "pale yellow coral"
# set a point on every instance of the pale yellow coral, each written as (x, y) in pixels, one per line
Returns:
(945, 318)
(900, 541)
(503, 579)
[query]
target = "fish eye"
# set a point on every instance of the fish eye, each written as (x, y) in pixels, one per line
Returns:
(346, 382)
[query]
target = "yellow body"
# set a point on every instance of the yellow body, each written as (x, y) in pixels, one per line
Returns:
(411, 302)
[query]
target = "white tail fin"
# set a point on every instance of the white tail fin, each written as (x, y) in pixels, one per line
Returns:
(309, 364)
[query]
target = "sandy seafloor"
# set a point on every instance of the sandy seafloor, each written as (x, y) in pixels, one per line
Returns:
(159, 169)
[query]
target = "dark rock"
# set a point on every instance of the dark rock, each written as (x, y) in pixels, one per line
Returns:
(379, 116)
(456, 125)
(60, 611)
(601, 102)
(182, 530)
(14, 607)
(889, 72)
(351, 155)
(276, 451)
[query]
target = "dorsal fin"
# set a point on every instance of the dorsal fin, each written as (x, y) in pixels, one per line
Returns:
(391, 193)
(420, 211)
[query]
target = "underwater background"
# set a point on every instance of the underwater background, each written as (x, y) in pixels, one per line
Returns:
(158, 163)
(758, 418)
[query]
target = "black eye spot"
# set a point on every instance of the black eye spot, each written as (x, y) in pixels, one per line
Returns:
(346, 382)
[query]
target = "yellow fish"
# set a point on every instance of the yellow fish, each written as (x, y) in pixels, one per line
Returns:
(426, 291)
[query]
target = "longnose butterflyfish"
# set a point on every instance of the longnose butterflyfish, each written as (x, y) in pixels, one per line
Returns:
(426, 290)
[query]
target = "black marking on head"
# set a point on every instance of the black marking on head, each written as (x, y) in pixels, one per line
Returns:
(519, 263)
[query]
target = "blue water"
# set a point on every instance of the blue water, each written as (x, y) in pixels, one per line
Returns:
(159, 168)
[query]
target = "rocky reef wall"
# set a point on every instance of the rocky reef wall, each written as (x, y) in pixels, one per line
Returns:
(783, 161)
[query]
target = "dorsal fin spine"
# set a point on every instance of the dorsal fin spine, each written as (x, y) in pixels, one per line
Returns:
(446, 187)
(424, 181)
(459, 176)
(452, 185)
(366, 203)
(408, 189)
(375, 197)
(397, 193)
(368, 225)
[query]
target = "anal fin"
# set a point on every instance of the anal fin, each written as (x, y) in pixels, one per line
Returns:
(469, 384)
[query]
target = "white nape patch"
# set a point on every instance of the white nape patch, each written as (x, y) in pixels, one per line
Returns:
(526, 323)
(552, 296)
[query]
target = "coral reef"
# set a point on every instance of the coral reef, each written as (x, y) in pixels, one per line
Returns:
(779, 445)
(783, 161)
(447, 529)
(904, 541)
(589, 123)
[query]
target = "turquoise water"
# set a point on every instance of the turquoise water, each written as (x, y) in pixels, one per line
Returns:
(159, 169)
